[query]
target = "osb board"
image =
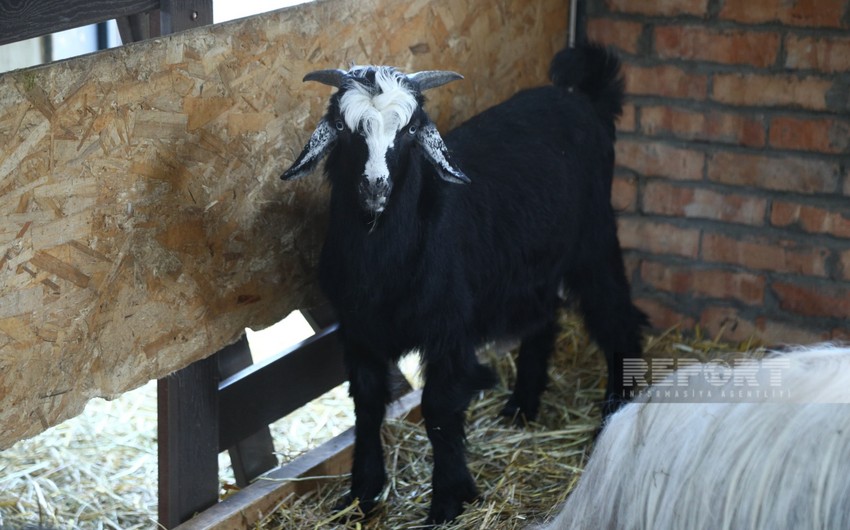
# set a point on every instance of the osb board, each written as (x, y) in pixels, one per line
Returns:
(142, 223)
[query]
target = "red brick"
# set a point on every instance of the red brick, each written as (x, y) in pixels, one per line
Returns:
(657, 159)
(827, 54)
(704, 283)
(784, 173)
(662, 316)
(771, 90)
(637, 233)
(831, 301)
(765, 254)
(664, 198)
(665, 80)
(621, 34)
(840, 334)
(660, 7)
(632, 264)
(824, 13)
(700, 125)
(624, 192)
(627, 121)
(827, 135)
(810, 218)
(727, 324)
(720, 46)
(776, 334)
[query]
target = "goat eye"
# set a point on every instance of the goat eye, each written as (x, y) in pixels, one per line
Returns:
(412, 129)
(339, 125)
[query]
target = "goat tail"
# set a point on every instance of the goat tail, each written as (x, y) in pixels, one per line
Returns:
(594, 70)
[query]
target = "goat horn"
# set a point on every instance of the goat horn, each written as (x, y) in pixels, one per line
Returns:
(433, 78)
(334, 77)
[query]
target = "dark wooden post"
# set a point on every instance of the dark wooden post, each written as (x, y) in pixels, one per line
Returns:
(188, 465)
(180, 15)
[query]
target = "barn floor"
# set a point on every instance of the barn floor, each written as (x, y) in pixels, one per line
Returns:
(522, 473)
(98, 471)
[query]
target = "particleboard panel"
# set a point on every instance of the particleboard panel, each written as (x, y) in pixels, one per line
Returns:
(142, 221)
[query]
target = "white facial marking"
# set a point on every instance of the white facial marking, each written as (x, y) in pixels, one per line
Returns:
(379, 116)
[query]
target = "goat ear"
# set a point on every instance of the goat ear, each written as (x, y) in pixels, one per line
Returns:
(317, 147)
(435, 150)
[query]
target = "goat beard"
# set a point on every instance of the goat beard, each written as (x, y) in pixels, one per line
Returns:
(373, 223)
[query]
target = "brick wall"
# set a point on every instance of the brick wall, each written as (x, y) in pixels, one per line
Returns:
(733, 163)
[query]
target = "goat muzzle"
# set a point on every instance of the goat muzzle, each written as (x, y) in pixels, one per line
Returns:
(374, 195)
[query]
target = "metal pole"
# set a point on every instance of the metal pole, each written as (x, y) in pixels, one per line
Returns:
(573, 13)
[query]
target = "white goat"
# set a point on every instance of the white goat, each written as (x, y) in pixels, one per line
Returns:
(766, 464)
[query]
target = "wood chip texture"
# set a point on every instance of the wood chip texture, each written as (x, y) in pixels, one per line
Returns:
(142, 221)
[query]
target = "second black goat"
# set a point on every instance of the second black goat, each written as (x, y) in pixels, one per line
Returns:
(441, 245)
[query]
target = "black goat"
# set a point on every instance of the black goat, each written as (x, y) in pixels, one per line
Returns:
(442, 246)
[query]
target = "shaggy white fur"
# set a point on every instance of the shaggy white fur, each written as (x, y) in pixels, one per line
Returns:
(757, 465)
(378, 115)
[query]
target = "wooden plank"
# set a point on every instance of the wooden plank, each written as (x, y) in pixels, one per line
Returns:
(152, 170)
(252, 455)
(141, 26)
(188, 465)
(286, 382)
(247, 506)
(180, 15)
(24, 19)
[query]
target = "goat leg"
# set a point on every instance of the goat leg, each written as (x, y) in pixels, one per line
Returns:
(532, 363)
(610, 317)
(369, 387)
(449, 387)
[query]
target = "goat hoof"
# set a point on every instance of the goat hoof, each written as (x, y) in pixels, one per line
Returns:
(444, 511)
(363, 511)
(445, 507)
(513, 411)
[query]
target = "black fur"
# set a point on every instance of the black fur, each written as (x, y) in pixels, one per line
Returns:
(447, 267)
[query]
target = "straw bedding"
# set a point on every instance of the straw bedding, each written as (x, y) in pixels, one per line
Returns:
(95, 471)
(523, 474)
(99, 470)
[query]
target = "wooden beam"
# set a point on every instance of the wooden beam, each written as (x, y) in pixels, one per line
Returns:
(138, 27)
(311, 367)
(285, 383)
(253, 454)
(180, 15)
(143, 225)
(188, 466)
(24, 19)
(247, 506)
